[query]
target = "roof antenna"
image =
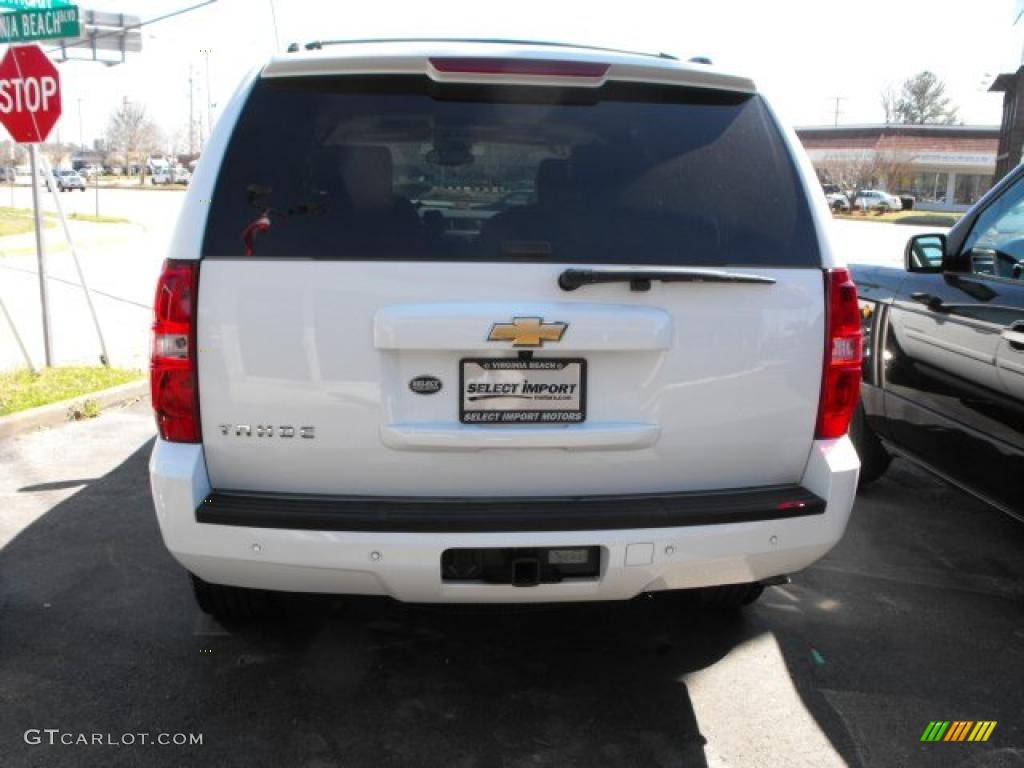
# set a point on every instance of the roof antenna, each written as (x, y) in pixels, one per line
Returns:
(700, 60)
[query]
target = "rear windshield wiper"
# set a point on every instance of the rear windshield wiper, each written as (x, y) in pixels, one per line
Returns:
(641, 279)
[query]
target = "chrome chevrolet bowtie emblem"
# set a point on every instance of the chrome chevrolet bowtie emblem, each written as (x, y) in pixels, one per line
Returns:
(527, 332)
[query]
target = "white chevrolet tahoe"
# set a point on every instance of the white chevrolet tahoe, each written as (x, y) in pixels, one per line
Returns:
(500, 322)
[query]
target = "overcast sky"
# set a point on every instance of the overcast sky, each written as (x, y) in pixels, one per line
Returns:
(803, 53)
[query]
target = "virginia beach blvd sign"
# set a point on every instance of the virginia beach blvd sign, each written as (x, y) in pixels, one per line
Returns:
(45, 24)
(34, 5)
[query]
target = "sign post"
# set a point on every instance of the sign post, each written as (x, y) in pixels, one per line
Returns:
(51, 182)
(29, 107)
(33, 160)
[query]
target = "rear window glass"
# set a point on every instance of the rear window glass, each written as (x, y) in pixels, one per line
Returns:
(403, 168)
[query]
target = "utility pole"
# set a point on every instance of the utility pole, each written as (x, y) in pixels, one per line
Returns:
(202, 133)
(81, 142)
(209, 105)
(191, 114)
(273, 18)
(837, 99)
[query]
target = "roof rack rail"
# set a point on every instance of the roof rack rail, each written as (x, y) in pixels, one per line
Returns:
(316, 45)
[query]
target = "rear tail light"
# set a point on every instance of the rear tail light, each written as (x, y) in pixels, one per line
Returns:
(840, 387)
(538, 67)
(173, 381)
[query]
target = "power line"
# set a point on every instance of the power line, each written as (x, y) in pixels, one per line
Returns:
(141, 24)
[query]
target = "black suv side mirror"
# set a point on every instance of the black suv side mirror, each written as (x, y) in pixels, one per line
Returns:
(924, 253)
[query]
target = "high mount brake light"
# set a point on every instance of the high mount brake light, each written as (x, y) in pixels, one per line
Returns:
(173, 381)
(536, 67)
(840, 383)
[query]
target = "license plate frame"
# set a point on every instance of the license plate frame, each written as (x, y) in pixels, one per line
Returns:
(528, 416)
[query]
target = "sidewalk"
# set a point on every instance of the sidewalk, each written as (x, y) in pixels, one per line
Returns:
(87, 235)
(121, 263)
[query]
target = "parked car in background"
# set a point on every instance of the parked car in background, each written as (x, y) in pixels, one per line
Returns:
(180, 175)
(944, 353)
(876, 200)
(69, 180)
(161, 176)
(553, 401)
(7, 175)
(837, 201)
(66, 180)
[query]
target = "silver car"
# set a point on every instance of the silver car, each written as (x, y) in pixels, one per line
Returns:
(67, 179)
(876, 200)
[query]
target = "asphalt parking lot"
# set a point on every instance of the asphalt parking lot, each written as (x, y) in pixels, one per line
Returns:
(916, 616)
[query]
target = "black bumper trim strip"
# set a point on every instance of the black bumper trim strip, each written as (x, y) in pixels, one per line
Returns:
(487, 515)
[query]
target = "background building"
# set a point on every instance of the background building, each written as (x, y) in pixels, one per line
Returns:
(944, 167)
(1011, 132)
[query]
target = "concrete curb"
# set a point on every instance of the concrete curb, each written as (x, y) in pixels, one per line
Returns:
(57, 413)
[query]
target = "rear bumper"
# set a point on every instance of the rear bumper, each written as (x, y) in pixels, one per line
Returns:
(506, 515)
(672, 544)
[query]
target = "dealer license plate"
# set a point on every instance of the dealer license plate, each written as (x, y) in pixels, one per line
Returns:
(515, 391)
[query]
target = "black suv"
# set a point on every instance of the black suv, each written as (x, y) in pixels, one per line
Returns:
(944, 353)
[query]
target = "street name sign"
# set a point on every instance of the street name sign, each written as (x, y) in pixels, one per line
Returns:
(105, 32)
(34, 5)
(22, 26)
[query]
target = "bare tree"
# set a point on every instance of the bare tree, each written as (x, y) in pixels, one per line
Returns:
(131, 133)
(57, 154)
(923, 99)
(115, 160)
(849, 172)
(894, 170)
(12, 154)
(886, 169)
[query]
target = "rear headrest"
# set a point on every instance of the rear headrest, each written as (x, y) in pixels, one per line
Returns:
(597, 170)
(552, 182)
(367, 173)
(325, 172)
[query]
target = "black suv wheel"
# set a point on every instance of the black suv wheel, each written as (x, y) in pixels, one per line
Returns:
(874, 459)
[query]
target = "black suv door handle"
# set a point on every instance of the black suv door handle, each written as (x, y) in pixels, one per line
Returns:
(930, 300)
(1014, 334)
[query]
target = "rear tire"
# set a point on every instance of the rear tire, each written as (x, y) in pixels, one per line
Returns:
(230, 604)
(874, 459)
(731, 596)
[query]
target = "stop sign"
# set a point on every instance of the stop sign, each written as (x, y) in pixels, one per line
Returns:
(29, 94)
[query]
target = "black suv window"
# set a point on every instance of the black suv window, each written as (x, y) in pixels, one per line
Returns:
(995, 246)
(403, 168)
